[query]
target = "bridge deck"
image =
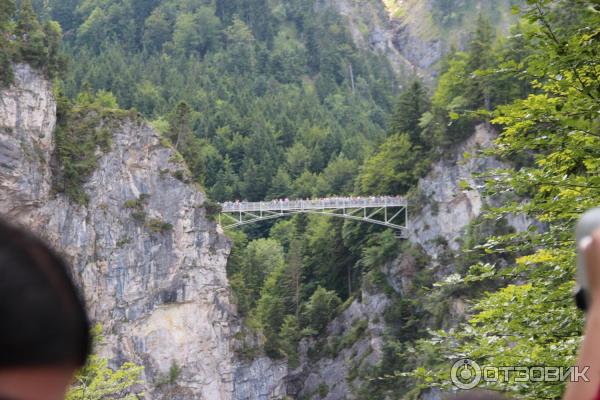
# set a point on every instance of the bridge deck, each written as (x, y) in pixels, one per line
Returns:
(321, 204)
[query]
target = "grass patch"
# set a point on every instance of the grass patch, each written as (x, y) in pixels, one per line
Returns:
(357, 332)
(323, 390)
(122, 242)
(213, 209)
(137, 207)
(159, 226)
(170, 378)
(139, 216)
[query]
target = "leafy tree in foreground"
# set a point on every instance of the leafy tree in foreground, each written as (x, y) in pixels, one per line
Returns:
(531, 320)
(97, 381)
(394, 169)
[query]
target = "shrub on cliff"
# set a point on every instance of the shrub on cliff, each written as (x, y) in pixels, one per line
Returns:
(321, 308)
(23, 38)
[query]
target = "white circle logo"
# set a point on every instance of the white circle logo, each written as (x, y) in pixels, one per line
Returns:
(465, 374)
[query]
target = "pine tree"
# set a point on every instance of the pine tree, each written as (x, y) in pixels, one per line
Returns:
(280, 186)
(257, 13)
(225, 9)
(321, 308)
(30, 36)
(289, 337)
(480, 58)
(55, 62)
(7, 12)
(412, 104)
(293, 274)
(393, 169)
(226, 186)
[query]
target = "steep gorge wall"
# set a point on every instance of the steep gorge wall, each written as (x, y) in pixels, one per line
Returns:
(438, 223)
(161, 296)
(415, 34)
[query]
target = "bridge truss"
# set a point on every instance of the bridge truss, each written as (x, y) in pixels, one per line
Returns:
(391, 212)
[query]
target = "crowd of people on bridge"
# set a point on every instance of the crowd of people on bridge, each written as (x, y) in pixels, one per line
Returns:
(322, 201)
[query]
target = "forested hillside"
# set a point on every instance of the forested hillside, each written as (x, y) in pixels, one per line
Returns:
(263, 101)
(272, 99)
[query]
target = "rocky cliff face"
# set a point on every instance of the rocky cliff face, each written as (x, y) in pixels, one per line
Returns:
(161, 294)
(261, 378)
(27, 121)
(414, 34)
(437, 226)
(446, 208)
(359, 333)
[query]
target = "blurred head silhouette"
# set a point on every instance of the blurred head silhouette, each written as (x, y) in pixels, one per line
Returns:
(44, 330)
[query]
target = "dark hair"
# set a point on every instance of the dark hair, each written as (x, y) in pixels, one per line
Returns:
(42, 317)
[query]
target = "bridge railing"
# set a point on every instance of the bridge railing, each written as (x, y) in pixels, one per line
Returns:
(319, 204)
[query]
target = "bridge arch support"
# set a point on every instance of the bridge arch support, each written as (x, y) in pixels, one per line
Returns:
(391, 212)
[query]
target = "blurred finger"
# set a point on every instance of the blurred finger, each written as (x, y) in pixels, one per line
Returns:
(591, 248)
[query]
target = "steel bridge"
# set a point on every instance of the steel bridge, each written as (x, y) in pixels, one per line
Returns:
(391, 212)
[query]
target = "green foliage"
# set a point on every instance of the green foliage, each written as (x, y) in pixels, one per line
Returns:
(7, 11)
(137, 209)
(180, 123)
(170, 378)
(137, 204)
(281, 295)
(23, 38)
(394, 169)
(261, 88)
(213, 209)
(323, 390)
(290, 336)
(412, 103)
(196, 32)
(320, 308)
(98, 381)
(380, 248)
(249, 271)
(102, 99)
(139, 216)
(328, 261)
(174, 372)
(6, 71)
(271, 312)
(30, 35)
(473, 82)
(357, 332)
(82, 132)
(530, 319)
(123, 241)
(266, 101)
(158, 225)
